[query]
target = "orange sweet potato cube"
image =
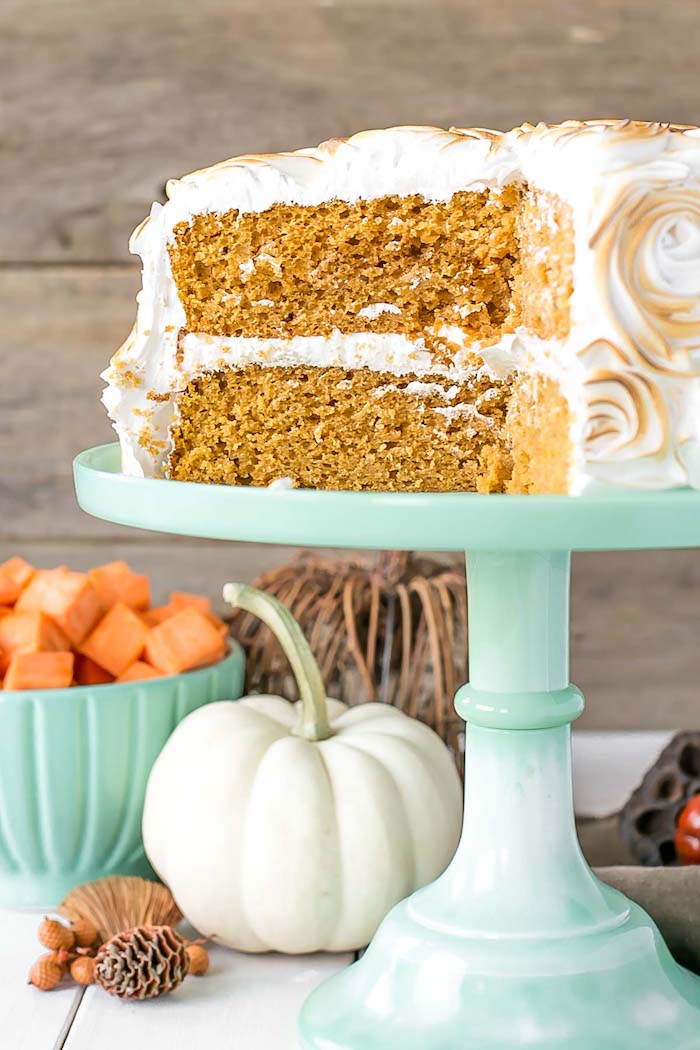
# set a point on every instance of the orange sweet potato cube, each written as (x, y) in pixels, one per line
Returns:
(117, 640)
(31, 632)
(115, 582)
(184, 641)
(157, 614)
(67, 597)
(87, 672)
(183, 599)
(138, 671)
(219, 624)
(39, 671)
(15, 574)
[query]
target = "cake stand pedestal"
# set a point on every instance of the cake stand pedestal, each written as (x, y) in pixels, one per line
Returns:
(517, 944)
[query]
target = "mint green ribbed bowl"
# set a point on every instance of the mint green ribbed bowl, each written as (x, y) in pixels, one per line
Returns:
(73, 770)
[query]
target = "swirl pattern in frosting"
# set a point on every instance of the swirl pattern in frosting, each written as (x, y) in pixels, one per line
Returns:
(648, 258)
(627, 415)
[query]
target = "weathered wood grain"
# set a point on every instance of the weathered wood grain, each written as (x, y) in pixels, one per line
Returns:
(58, 328)
(104, 101)
(634, 641)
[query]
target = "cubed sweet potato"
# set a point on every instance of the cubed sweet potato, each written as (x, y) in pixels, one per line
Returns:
(163, 612)
(87, 672)
(184, 599)
(15, 574)
(186, 640)
(67, 597)
(39, 671)
(116, 583)
(138, 671)
(157, 614)
(31, 632)
(117, 640)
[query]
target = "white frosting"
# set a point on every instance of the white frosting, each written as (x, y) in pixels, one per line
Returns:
(375, 309)
(630, 366)
(431, 162)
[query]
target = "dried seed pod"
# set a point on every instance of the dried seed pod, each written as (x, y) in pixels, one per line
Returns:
(648, 818)
(142, 963)
(85, 933)
(82, 970)
(199, 959)
(47, 972)
(121, 902)
(54, 935)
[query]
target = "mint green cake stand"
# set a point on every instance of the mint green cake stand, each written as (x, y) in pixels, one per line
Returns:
(517, 944)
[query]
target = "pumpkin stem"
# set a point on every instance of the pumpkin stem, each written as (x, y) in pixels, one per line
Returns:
(313, 723)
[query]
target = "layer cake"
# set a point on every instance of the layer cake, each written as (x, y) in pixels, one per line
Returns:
(421, 309)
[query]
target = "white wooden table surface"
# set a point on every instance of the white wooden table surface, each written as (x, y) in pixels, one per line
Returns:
(245, 1002)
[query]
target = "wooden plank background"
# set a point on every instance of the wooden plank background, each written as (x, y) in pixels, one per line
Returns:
(103, 100)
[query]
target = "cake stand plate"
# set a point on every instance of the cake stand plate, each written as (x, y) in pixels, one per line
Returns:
(517, 944)
(386, 521)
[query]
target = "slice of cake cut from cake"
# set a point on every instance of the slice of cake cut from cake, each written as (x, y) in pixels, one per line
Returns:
(420, 309)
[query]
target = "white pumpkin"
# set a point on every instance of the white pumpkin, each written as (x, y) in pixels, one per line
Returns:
(296, 827)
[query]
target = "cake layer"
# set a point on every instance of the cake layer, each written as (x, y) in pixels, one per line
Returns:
(358, 429)
(391, 264)
(342, 429)
(484, 262)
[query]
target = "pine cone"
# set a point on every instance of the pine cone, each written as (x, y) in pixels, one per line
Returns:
(142, 963)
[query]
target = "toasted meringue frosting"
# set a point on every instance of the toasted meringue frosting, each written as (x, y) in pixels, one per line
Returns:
(630, 364)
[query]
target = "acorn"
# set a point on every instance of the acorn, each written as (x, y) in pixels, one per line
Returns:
(199, 959)
(48, 971)
(55, 936)
(82, 970)
(85, 933)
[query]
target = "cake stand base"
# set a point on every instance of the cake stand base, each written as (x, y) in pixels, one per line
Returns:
(419, 987)
(423, 988)
(517, 944)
